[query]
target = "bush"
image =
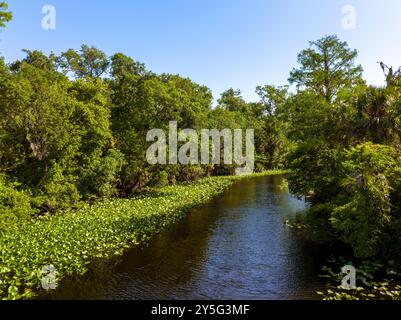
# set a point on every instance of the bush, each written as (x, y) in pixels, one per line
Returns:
(15, 206)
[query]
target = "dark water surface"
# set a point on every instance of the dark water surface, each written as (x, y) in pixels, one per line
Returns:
(236, 247)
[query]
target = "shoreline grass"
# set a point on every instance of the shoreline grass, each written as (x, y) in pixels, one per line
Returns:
(72, 240)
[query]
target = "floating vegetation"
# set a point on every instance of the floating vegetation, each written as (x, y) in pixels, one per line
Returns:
(71, 240)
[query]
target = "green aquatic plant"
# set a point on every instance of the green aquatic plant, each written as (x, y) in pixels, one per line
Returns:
(72, 240)
(374, 281)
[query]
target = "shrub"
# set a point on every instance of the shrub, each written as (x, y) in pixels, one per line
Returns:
(15, 205)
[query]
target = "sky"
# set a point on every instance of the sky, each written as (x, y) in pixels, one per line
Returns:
(222, 44)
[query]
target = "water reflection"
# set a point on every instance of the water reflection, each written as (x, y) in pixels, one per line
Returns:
(236, 247)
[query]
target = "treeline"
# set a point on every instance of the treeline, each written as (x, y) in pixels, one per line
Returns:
(73, 128)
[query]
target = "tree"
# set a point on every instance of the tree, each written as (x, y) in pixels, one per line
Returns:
(88, 62)
(365, 209)
(144, 102)
(232, 100)
(122, 65)
(5, 16)
(55, 135)
(270, 141)
(327, 66)
(272, 97)
(376, 116)
(37, 59)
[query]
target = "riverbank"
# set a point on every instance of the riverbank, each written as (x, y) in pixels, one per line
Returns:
(232, 248)
(70, 241)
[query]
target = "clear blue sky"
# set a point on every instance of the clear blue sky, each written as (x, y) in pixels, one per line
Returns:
(218, 43)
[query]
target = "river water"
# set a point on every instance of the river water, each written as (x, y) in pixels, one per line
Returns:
(235, 247)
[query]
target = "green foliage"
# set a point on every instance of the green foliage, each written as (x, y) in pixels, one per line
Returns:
(5, 16)
(371, 172)
(15, 206)
(37, 59)
(143, 101)
(89, 62)
(367, 288)
(271, 142)
(343, 156)
(351, 191)
(326, 67)
(55, 134)
(72, 240)
(101, 178)
(232, 100)
(377, 115)
(314, 169)
(59, 186)
(123, 66)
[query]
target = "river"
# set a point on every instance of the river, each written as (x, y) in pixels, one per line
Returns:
(235, 247)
